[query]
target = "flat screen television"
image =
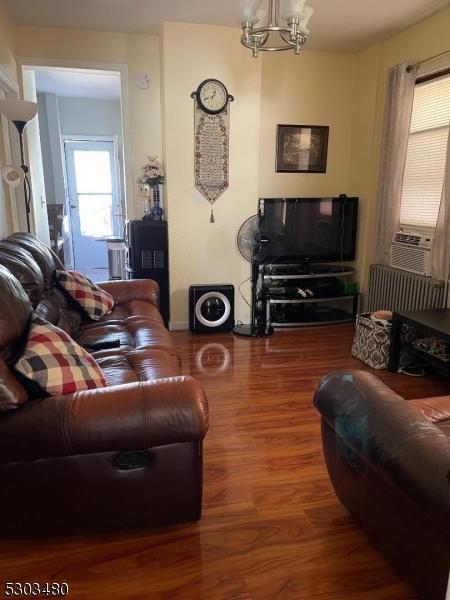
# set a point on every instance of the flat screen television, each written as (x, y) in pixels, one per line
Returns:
(310, 229)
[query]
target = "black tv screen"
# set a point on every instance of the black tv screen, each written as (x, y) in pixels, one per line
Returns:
(310, 229)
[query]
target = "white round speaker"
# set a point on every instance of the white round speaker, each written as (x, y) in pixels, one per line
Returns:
(216, 313)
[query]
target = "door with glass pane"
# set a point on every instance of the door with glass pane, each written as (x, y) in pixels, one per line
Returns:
(93, 200)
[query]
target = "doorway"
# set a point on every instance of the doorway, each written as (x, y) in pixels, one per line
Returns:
(83, 142)
(95, 212)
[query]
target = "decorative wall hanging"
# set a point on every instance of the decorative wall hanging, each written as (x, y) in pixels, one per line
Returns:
(211, 139)
(302, 148)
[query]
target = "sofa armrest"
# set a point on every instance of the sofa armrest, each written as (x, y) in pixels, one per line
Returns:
(391, 437)
(132, 289)
(133, 416)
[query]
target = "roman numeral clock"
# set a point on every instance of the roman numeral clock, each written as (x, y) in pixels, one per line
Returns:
(211, 139)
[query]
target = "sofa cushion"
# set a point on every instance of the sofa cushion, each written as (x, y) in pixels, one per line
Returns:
(12, 394)
(133, 332)
(23, 266)
(436, 410)
(30, 238)
(143, 364)
(130, 308)
(60, 312)
(15, 312)
(7, 399)
(55, 364)
(49, 311)
(92, 300)
(44, 257)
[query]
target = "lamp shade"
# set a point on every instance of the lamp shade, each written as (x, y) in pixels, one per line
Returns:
(249, 9)
(13, 175)
(261, 16)
(294, 9)
(307, 14)
(18, 110)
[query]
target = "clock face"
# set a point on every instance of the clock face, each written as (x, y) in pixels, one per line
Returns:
(212, 96)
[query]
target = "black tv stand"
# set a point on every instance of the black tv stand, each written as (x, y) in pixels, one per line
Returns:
(309, 269)
(332, 270)
(287, 268)
(287, 308)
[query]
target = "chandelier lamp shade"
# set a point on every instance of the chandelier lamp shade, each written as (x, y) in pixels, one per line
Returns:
(286, 25)
(19, 112)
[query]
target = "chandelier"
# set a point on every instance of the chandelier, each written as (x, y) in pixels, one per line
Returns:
(273, 37)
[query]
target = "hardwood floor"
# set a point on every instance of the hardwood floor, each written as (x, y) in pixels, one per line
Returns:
(272, 527)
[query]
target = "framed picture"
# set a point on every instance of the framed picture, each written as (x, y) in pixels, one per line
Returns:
(302, 148)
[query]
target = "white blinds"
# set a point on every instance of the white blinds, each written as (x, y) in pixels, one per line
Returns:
(425, 159)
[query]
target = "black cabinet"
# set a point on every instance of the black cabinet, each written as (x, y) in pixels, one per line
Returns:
(148, 257)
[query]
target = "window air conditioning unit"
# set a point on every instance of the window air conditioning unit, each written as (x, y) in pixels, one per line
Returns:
(411, 251)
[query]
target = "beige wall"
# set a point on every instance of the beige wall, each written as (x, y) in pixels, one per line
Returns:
(316, 88)
(139, 52)
(8, 65)
(200, 251)
(362, 152)
(7, 60)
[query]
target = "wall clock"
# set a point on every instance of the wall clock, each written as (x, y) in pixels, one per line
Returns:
(212, 96)
(211, 139)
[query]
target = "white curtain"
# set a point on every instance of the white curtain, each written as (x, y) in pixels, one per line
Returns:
(440, 260)
(397, 121)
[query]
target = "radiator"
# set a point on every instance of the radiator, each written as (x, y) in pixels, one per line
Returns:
(394, 289)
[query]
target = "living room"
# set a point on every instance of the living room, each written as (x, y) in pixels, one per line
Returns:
(271, 524)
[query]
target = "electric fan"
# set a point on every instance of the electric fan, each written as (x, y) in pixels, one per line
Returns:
(254, 243)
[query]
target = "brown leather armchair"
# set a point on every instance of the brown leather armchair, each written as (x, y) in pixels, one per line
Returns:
(389, 462)
(128, 455)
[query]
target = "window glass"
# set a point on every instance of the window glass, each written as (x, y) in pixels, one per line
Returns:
(93, 171)
(95, 215)
(426, 154)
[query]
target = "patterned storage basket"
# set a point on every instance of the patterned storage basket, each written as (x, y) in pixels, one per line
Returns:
(372, 341)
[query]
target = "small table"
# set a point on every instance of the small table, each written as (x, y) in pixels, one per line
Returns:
(433, 323)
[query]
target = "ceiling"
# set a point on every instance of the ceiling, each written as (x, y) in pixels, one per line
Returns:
(70, 83)
(337, 25)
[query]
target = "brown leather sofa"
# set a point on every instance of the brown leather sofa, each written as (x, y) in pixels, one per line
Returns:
(389, 462)
(128, 455)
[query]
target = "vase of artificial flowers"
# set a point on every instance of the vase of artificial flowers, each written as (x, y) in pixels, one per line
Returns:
(151, 178)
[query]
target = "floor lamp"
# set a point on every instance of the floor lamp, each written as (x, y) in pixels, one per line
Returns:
(20, 112)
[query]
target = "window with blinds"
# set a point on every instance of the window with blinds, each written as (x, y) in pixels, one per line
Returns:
(426, 154)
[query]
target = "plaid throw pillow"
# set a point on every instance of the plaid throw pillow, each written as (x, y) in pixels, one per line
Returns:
(92, 299)
(56, 363)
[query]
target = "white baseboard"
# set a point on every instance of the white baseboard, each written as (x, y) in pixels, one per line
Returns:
(179, 325)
